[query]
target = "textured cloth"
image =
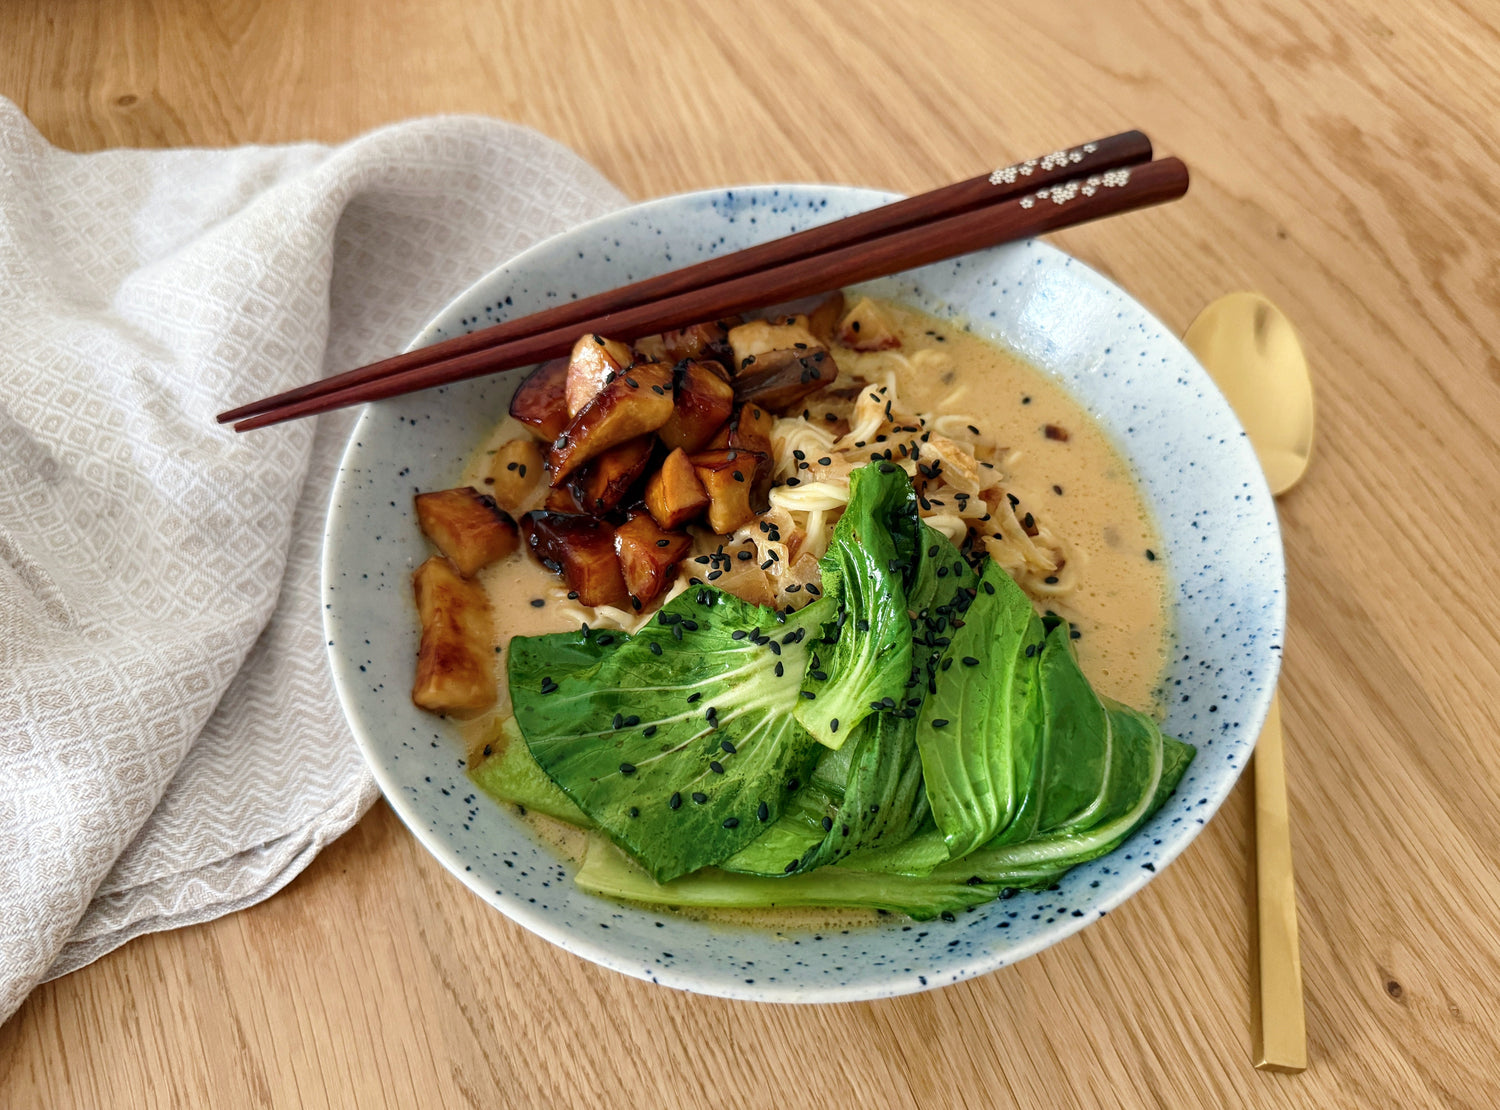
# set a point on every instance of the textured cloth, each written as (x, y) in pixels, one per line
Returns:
(171, 747)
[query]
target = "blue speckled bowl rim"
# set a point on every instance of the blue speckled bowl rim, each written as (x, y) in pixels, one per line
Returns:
(1252, 710)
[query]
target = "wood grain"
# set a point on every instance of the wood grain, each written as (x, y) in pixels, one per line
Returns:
(1343, 165)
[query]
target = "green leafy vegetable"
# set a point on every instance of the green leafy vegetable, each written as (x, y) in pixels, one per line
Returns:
(865, 653)
(869, 792)
(510, 774)
(978, 732)
(609, 872)
(681, 752)
(1144, 768)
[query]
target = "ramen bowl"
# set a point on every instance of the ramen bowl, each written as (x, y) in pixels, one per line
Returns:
(1196, 470)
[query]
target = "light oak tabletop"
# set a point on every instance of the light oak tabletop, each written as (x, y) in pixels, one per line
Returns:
(1344, 164)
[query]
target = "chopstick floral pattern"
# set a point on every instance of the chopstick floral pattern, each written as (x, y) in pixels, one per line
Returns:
(1061, 194)
(1007, 175)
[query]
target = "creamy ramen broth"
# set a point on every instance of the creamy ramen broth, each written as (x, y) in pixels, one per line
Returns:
(1080, 486)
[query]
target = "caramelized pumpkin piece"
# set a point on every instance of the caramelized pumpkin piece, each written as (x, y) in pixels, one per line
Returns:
(779, 380)
(456, 659)
(648, 555)
(595, 362)
(674, 495)
(702, 403)
(867, 327)
(636, 402)
(706, 342)
(467, 526)
(727, 478)
(581, 549)
(823, 321)
(600, 486)
(541, 401)
(749, 429)
(515, 470)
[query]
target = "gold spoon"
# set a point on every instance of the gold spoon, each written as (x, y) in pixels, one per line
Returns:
(1251, 351)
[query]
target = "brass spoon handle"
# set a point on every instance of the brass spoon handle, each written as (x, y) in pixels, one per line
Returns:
(1282, 1030)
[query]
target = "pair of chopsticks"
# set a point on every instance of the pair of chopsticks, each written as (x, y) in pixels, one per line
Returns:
(1057, 190)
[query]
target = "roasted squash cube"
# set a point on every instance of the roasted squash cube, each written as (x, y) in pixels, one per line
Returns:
(515, 470)
(456, 658)
(702, 402)
(867, 327)
(595, 362)
(467, 526)
(823, 321)
(674, 495)
(634, 403)
(751, 431)
(600, 486)
(706, 342)
(648, 555)
(728, 477)
(779, 380)
(581, 549)
(541, 401)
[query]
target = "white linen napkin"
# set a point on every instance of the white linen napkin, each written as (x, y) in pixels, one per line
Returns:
(171, 748)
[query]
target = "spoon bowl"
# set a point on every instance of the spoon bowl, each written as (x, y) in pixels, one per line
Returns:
(1252, 352)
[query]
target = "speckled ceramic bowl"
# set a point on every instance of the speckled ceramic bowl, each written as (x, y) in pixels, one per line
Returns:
(1223, 556)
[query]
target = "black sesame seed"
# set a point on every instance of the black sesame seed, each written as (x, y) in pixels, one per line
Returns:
(649, 731)
(675, 801)
(1150, 555)
(655, 648)
(970, 661)
(833, 725)
(940, 722)
(537, 603)
(627, 768)
(633, 811)
(731, 822)
(694, 697)
(699, 798)
(762, 812)
(827, 824)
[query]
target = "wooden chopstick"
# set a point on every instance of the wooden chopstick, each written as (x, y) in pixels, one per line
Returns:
(1074, 201)
(1125, 149)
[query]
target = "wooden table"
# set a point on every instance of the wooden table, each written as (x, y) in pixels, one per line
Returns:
(1343, 163)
